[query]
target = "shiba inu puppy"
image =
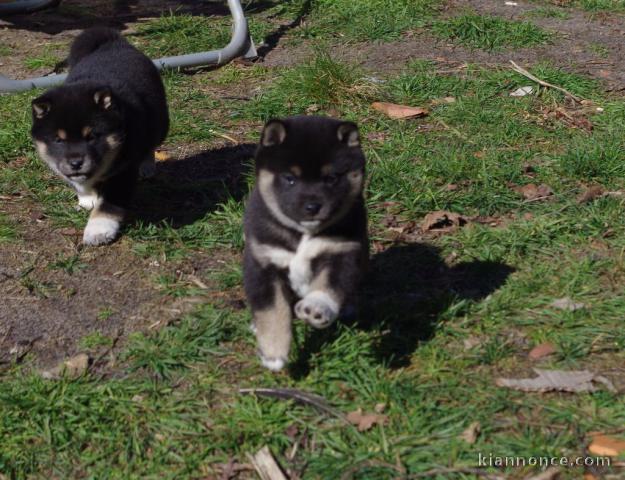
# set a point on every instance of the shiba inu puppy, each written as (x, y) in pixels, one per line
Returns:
(100, 128)
(305, 228)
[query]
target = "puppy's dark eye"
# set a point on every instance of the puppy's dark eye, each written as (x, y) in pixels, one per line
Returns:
(331, 180)
(58, 139)
(288, 178)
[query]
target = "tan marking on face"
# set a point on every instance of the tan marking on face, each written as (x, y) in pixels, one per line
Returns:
(265, 188)
(62, 134)
(113, 141)
(86, 131)
(296, 170)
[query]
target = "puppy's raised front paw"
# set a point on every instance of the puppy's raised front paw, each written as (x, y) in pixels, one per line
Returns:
(100, 231)
(318, 309)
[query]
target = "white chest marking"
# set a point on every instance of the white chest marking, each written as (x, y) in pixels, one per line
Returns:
(299, 263)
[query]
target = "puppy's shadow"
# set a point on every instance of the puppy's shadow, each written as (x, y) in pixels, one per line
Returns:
(185, 190)
(409, 289)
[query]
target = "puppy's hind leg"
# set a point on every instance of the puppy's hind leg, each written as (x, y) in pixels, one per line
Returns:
(273, 330)
(103, 225)
(147, 169)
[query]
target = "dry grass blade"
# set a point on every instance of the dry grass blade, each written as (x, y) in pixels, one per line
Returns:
(527, 74)
(299, 396)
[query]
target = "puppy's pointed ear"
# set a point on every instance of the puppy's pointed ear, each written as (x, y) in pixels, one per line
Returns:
(103, 97)
(273, 134)
(41, 107)
(347, 133)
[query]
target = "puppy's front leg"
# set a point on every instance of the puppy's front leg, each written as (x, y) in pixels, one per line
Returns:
(103, 225)
(273, 329)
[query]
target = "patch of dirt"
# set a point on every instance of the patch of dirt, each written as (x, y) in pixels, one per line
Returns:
(47, 307)
(572, 49)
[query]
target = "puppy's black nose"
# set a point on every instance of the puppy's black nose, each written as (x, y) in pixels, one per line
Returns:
(312, 208)
(76, 163)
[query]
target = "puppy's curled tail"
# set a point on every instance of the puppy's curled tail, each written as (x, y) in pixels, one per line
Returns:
(89, 41)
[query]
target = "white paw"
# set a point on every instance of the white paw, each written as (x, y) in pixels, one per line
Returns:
(100, 230)
(318, 309)
(147, 169)
(273, 364)
(88, 202)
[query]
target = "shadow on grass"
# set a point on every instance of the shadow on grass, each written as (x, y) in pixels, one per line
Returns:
(272, 40)
(185, 190)
(409, 289)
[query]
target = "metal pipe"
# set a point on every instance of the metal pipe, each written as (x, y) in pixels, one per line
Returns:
(240, 43)
(26, 6)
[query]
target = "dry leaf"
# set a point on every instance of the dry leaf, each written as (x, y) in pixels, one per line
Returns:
(443, 101)
(542, 350)
(556, 380)
(442, 220)
(603, 445)
(567, 304)
(590, 194)
(161, 156)
(399, 111)
(471, 433)
(533, 192)
(379, 407)
(364, 421)
(71, 368)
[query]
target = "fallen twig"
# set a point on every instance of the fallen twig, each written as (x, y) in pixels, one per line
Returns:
(316, 401)
(265, 465)
(527, 74)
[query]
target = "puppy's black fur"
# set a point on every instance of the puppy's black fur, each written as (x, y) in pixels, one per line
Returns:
(102, 125)
(305, 228)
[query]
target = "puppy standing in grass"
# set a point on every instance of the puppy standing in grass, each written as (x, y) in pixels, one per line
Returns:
(305, 229)
(98, 130)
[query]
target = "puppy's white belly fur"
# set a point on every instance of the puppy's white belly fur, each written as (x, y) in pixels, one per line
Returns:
(100, 230)
(299, 262)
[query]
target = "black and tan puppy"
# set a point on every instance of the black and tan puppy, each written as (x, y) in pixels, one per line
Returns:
(100, 128)
(305, 228)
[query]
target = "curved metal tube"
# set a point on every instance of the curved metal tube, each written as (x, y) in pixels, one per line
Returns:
(26, 6)
(239, 44)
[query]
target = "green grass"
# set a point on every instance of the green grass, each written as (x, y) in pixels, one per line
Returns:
(7, 229)
(602, 5)
(490, 33)
(47, 57)
(369, 19)
(549, 12)
(320, 84)
(169, 406)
